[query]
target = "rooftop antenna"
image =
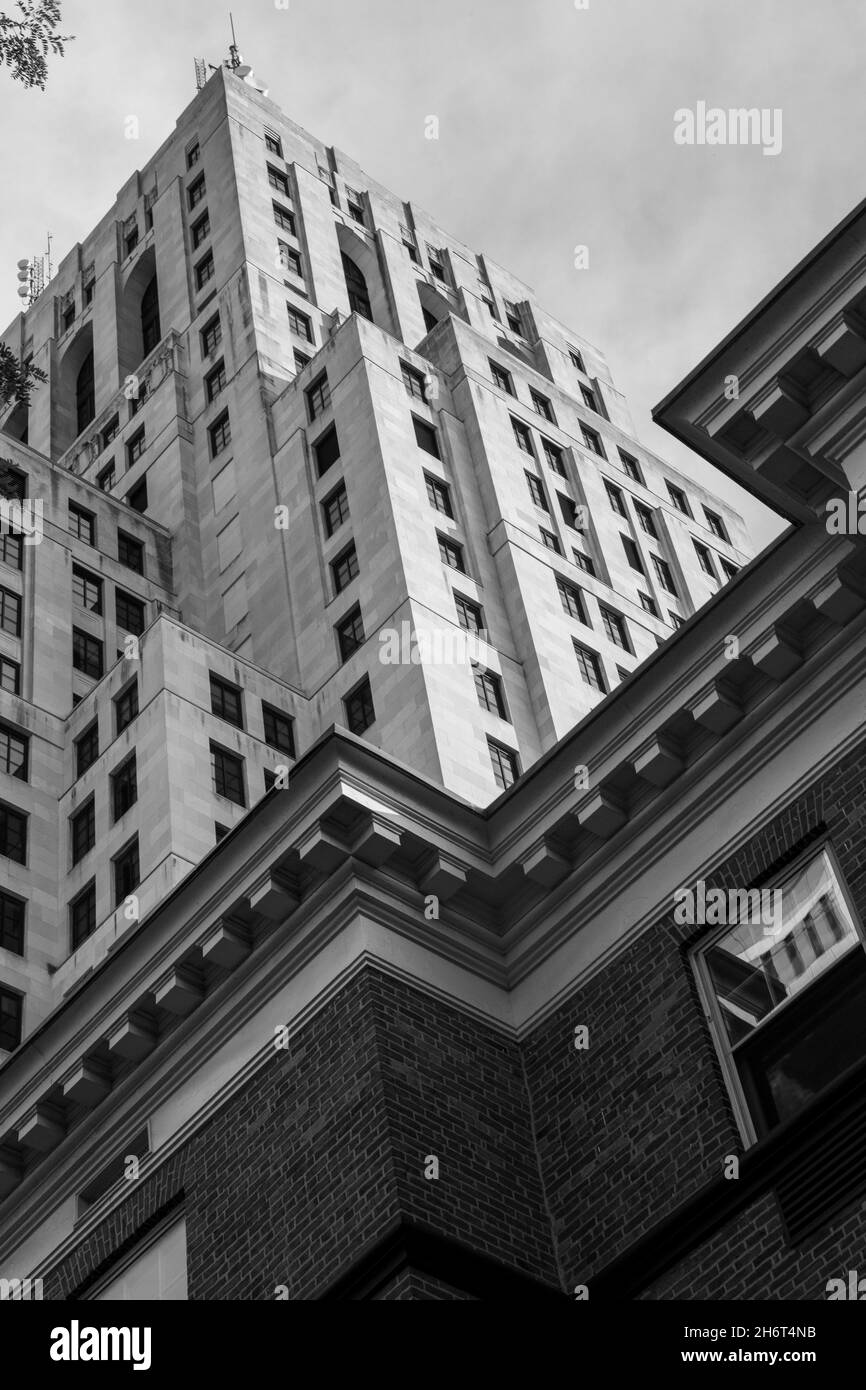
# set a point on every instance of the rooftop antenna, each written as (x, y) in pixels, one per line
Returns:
(235, 59)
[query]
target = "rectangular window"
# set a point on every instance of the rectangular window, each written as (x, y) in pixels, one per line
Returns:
(11, 549)
(350, 633)
(149, 200)
(576, 360)
(676, 620)
(326, 450)
(550, 541)
(729, 569)
(284, 219)
(226, 701)
(425, 437)
(542, 405)
(13, 834)
(82, 524)
(299, 323)
(704, 559)
(86, 589)
(716, 525)
(82, 829)
(82, 915)
(646, 520)
(136, 401)
(193, 155)
(589, 666)
(335, 510)
(10, 671)
(506, 768)
(195, 192)
(512, 318)
(290, 260)
(592, 441)
(106, 478)
(358, 706)
(211, 336)
(215, 381)
(204, 271)
(124, 789)
(502, 378)
(630, 466)
(679, 499)
(451, 553)
(11, 1011)
(569, 512)
(614, 497)
(318, 396)
(200, 231)
(589, 399)
(413, 381)
(88, 284)
(469, 615)
(488, 687)
(10, 613)
(302, 360)
(220, 435)
(273, 144)
(439, 495)
(126, 707)
(615, 628)
(663, 574)
(87, 749)
(354, 205)
(523, 436)
(632, 554)
(279, 730)
(129, 612)
(536, 492)
(554, 455)
(12, 924)
(130, 235)
(109, 433)
(227, 771)
(136, 498)
(345, 568)
(130, 552)
(13, 753)
(412, 251)
(135, 448)
(649, 604)
(569, 596)
(87, 654)
(491, 307)
(127, 872)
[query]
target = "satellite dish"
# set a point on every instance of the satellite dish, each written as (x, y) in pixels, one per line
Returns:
(23, 291)
(243, 70)
(22, 265)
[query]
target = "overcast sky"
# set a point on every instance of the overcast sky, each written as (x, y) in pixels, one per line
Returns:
(555, 130)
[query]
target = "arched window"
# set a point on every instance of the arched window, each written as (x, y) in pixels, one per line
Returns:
(150, 317)
(359, 299)
(85, 398)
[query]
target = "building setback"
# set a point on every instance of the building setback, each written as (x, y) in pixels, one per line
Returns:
(374, 1034)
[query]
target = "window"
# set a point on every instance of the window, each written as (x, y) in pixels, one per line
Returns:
(11, 924)
(589, 666)
(82, 524)
(676, 620)
(679, 499)
(226, 701)
(326, 450)
(220, 435)
(82, 915)
(129, 612)
(354, 205)
(589, 399)
(130, 552)
(273, 144)
(82, 827)
(87, 749)
(648, 604)
(135, 448)
(504, 762)
(502, 378)
(279, 182)
(512, 317)
(350, 633)
(109, 433)
(215, 381)
(569, 512)
(318, 396)
(345, 568)
(130, 235)
(576, 360)
(211, 336)
(491, 307)
(220, 831)
(729, 569)
(204, 271)
(663, 574)
(704, 559)
(284, 219)
(542, 405)
(136, 498)
(788, 1004)
(302, 360)
(124, 788)
(413, 381)
(86, 589)
(13, 753)
(488, 686)
(614, 497)
(550, 541)
(451, 553)
(716, 525)
(193, 155)
(536, 492)
(439, 495)
(87, 654)
(106, 477)
(10, 613)
(408, 239)
(10, 671)
(195, 192)
(200, 231)
(227, 771)
(279, 730)
(127, 872)
(553, 454)
(11, 549)
(137, 400)
(425, 437)
(569, 596)
(290, 260)
(632, 554)
(13, 834)
(335, 510)
(88, 283)
(358, 706)
(10, 1019)
(299, 323)
(469, 615)
(630, 466)
(592, 441)
(615, 628)
(126, 707)
(522, 436)
(646, 520)
(622, 673)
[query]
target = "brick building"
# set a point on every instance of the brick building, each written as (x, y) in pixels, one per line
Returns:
(375, 1034)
